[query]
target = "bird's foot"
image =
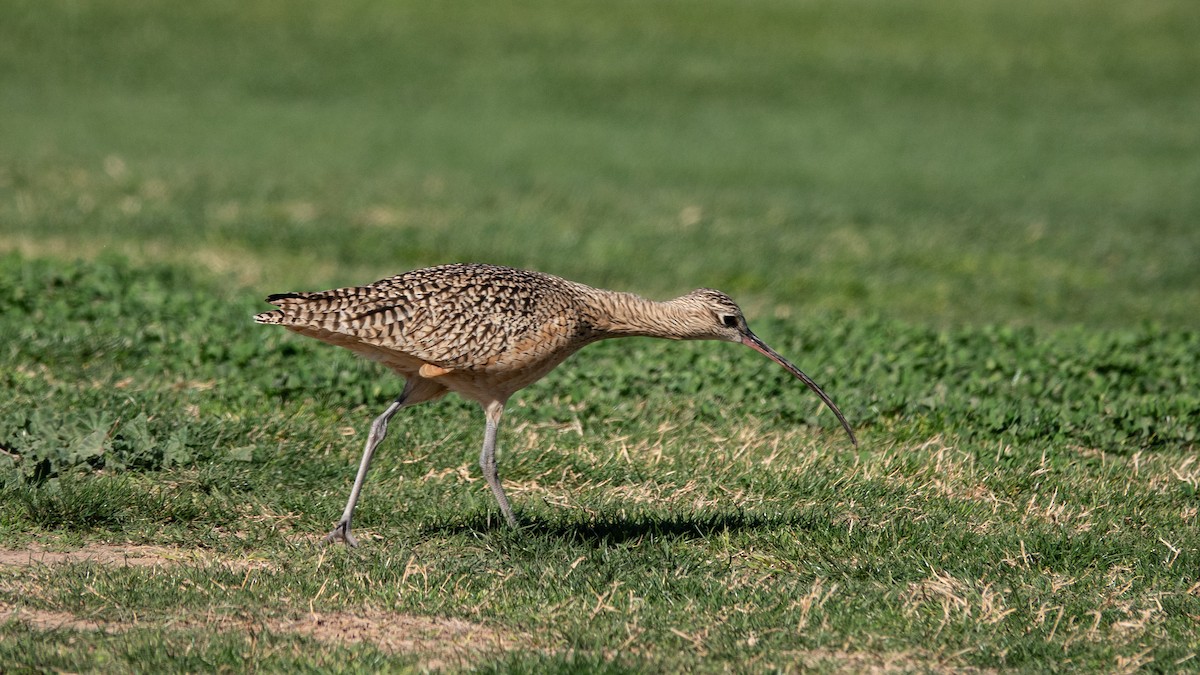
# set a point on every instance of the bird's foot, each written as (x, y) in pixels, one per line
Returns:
(511, 519)
(342, 533)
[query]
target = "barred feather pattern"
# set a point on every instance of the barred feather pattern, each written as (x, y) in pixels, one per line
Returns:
(487, 330)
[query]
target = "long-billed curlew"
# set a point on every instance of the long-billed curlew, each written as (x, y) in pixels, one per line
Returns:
(485, 332)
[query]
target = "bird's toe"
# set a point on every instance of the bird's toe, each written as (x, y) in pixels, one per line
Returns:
(342, 533)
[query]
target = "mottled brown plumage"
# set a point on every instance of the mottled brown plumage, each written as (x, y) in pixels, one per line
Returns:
(485, 332)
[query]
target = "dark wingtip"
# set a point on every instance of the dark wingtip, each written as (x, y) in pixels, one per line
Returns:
(276, 297)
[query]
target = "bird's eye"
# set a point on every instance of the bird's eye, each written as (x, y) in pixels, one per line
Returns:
(729, 320)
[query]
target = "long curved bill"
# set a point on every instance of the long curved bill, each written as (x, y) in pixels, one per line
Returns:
(751, 340)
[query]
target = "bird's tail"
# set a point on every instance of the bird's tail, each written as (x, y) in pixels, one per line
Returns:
(279, 316)
(274, 316)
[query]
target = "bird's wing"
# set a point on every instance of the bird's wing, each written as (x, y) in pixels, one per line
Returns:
(456, 316)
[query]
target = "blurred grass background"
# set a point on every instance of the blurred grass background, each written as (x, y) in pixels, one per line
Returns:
(1010, 162)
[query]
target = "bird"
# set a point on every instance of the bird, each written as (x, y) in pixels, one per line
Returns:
(485, 332)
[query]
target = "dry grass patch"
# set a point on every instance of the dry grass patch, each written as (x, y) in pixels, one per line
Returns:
(935, 468)
(225, 262)
(948, 472)
(956, 599)
(877, 663)
(748, 451)
(231, 262)
(1120, 615)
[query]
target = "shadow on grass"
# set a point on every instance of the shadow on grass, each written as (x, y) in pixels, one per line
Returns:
(618, 529)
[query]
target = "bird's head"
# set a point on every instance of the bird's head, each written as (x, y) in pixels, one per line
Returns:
(717, 316)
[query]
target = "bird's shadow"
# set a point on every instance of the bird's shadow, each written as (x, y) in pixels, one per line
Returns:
(617, 529)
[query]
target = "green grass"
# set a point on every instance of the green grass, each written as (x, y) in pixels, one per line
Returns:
(985, 163)
(694, 524)
(974, 225)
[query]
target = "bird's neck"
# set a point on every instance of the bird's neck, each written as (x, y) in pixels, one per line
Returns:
(615, 314)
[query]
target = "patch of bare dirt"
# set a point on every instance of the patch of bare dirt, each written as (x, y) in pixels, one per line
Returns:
(443, 641)
(120, 555)
(440, 642)
(41, 619)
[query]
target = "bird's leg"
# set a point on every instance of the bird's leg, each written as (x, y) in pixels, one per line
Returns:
(378, 431)
(487, 459)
